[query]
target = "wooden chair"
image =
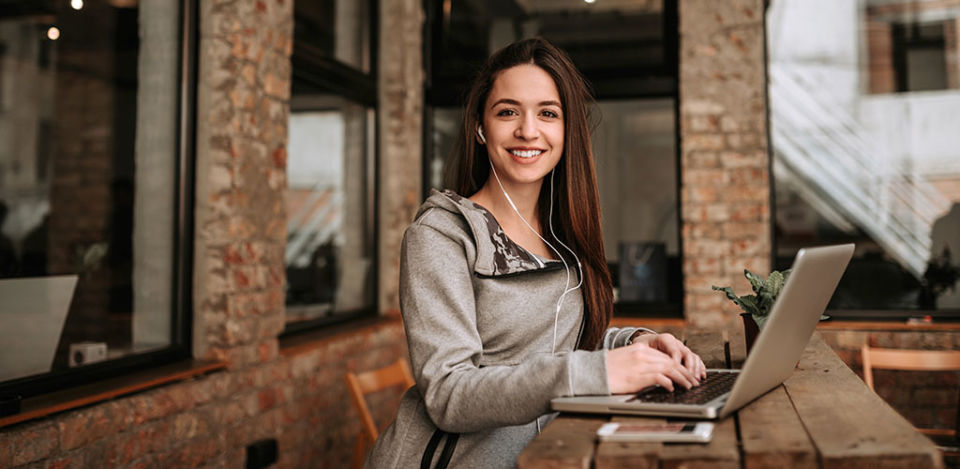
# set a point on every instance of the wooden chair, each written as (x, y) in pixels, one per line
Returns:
(396, 374)
(917, 360)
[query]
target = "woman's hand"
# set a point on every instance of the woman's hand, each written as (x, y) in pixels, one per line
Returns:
(672, 346)
(657, 359)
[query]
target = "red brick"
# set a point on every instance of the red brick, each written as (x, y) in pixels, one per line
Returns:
(33, 443)
(700, 160)
(160, 403)
(186, 426)
(707, 247)
(192, 454)
(739, 230)
(268, 350)
(702, 194)
(66, 462)
(693, 142)
(705, 177)
(742, 193)
(703, 123)
(701, 265)
(6, 451)
(82, 427)
(735, 159)
(149, 438)
(749, 177)
(746, 140)
(702, 230)
(102, 455)
(729, 124)
(748, 212)
(267, 399)
(706, 213)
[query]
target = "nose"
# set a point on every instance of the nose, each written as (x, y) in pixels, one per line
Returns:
(527, 128)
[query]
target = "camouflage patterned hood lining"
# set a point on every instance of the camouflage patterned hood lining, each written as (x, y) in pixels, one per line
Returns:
(497, 255)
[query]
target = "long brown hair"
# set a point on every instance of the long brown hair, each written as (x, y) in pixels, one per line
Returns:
(577, 218)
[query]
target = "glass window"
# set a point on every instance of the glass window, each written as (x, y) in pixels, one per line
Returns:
(89, 186)
(627, 51)
(335, 29)
(330, 261)
(864, 106)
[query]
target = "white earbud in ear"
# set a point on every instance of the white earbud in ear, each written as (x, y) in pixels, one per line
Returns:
(483, 139)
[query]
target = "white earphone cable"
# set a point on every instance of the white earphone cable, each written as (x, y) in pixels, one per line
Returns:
(566, 267)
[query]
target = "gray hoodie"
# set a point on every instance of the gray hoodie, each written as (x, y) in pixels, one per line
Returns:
(479, 314)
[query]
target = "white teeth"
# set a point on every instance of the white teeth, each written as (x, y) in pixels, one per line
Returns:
(526, 153)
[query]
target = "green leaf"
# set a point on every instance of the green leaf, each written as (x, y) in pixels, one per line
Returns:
(749, 304)
(760, 320)
(756, 281)
(765, 303)
(775, 283)
(731, 296)
(729, 291)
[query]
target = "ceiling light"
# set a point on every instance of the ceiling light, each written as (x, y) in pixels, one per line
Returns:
(76, 4)
(53, 33)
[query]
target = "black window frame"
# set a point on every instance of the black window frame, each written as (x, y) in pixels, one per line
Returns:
(663, 82)
(903, 43)
(322, 74)
(181, 318)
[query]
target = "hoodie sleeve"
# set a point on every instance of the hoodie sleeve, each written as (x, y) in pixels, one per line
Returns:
(439, 314)
(620, 336)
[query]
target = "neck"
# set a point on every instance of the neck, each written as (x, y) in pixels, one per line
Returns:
(524, 196)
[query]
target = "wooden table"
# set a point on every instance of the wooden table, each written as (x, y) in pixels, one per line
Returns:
(822, 416)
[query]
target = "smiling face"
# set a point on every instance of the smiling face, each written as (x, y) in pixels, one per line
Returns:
(523, 125)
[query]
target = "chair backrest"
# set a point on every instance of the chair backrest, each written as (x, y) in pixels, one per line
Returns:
(396, 374)
(911, 360)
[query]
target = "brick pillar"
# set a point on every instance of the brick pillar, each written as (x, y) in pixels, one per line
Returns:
(400, 86)
(725, 181)
(881, 77)
(243, 97)
(951, 31)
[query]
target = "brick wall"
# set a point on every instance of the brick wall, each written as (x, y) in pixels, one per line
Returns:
(293, 395)
(298, 399)
(400, 87)
(725, 182)
(926, 399)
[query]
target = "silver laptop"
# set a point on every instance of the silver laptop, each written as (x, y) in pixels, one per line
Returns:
(794, 316)
(32, 314)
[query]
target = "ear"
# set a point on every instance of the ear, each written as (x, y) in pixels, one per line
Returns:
(480, 137)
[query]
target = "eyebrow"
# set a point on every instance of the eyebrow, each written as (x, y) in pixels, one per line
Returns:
(517, 103)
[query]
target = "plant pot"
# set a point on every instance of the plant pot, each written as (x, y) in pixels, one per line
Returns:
(750, 329)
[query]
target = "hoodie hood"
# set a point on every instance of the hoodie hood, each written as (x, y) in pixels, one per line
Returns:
(497, 255)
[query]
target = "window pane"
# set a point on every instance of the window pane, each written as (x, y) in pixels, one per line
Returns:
(640, 233)
(329, 251)
(620, 46)
(338, 29)
(854, 161)
(77, 158)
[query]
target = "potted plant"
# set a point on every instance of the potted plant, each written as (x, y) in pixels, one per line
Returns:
(756, 307)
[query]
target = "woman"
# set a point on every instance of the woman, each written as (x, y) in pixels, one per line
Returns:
(504, 288)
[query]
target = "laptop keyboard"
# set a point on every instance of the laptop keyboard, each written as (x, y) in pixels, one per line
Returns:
(716, 384)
